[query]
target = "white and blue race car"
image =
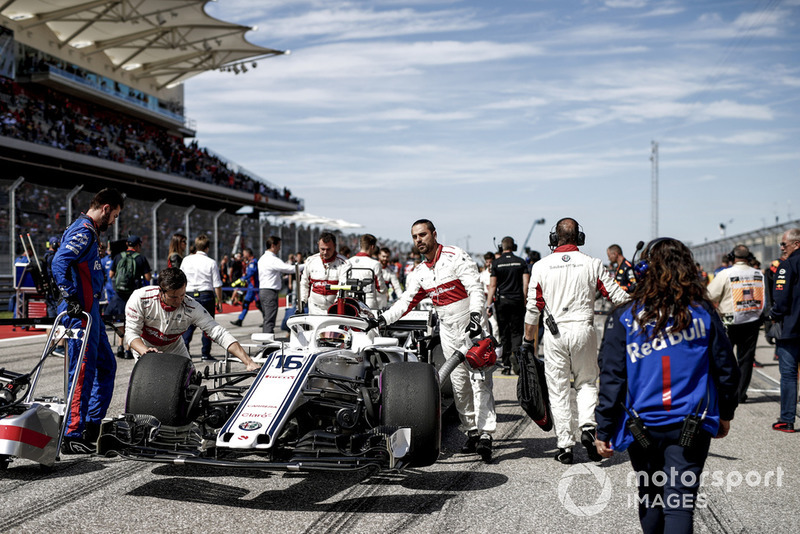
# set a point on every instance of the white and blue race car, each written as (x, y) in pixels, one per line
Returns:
(337, 395)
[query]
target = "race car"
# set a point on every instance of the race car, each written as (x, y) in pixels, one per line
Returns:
(336, 396)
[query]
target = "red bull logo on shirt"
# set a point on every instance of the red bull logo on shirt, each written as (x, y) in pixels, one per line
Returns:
(637, 351)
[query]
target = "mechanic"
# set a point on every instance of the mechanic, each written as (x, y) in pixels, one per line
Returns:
(157, 317)
(623, 270)
(321, 269)
(204, 284)
(738, 291)
(485, 277)
(786, 310)
(270, 270)
(250, 279)
(390, 279)
(563, 286)
(357, 268)
(80, 278)
(665, 357)
(509, 283)
(450, 278)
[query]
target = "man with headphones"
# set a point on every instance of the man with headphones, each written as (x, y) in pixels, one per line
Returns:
(738, 292)
(509, 284)
(563, 287)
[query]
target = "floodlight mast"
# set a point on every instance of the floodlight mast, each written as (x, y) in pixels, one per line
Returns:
(537, 221)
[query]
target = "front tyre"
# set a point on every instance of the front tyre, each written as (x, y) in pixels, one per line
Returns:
(410, 398)
(158, 387)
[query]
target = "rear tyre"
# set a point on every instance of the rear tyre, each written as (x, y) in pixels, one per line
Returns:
(410, 398)
(158, 387)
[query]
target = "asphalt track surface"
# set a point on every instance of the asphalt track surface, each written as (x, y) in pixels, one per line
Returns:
(522, 490)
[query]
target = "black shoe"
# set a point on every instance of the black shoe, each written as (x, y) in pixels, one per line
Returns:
(781, 426)
(77, 446)
(757, 364)
(506, 371)
(587, 440)
(471, 444)
(121, 352)
(128, 354)
(564, 455)
(237, 322)
(209, 359)
(484, 447)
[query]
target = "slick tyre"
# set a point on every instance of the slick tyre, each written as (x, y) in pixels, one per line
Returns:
(158, 387)
(410, 398)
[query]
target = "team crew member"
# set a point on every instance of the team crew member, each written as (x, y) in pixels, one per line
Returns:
(563, 286)
(665, 357)
(390, 279)
(321, 269)
(509, 284)
(623, 270)
(786, 311)
(485, 277)
(80, 278)
(739, 293)
(250, 279)
(450, 278)
(203, 284)
(358, 267)
(157, 317)
(128, 280)
(270, 270)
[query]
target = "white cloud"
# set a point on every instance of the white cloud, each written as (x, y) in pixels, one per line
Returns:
(626, 3)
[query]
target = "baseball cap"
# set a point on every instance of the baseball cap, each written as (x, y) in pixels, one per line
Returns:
(54, 240)
(134, 240)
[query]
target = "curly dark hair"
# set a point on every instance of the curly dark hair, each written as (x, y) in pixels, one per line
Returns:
(668, 287)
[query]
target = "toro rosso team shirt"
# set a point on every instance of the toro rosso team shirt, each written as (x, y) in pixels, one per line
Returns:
(666, 377)
(76, 265)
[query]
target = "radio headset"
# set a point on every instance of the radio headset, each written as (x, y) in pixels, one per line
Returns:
(500, 247)
(640, 267)
(554, 237)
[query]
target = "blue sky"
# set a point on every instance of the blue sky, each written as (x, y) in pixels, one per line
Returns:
(484, 116)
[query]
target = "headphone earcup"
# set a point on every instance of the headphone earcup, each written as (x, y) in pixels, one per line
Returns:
(553, 239)
(581, 239)
(640, 269)
(514, 248)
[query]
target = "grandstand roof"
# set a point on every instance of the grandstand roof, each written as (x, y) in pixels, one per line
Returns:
(169, 40)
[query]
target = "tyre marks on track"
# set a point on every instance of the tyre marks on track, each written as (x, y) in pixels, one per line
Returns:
(410, 520)
(39, 507)
(359, 501)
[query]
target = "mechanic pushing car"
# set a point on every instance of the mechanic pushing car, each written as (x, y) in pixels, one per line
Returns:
(321, 270)
(80, 279)
(450, 278)
(157, 317)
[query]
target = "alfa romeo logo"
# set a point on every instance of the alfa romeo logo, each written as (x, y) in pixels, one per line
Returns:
(574, 477)
(250, 425)
(565, 258)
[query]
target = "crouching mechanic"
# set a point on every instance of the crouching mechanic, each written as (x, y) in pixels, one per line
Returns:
(450, 278)
(157, 317)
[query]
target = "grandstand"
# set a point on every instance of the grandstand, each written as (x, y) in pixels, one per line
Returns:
(91, 96)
